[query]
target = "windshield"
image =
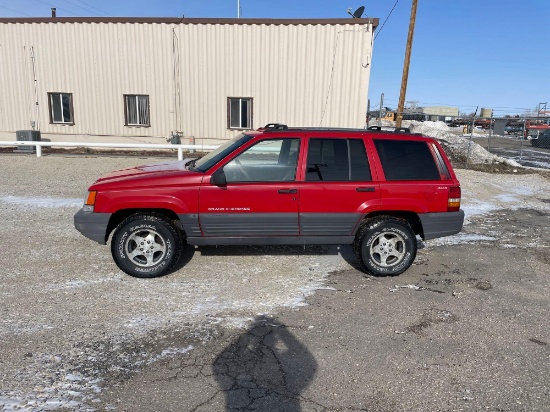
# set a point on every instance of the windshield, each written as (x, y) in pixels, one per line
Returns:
(206, 162)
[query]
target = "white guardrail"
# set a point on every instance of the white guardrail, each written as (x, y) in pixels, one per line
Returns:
(179, 147)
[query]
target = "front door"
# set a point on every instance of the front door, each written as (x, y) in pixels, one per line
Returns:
(260, 198)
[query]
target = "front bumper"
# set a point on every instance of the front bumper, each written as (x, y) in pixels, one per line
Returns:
(92, 225)
(441, 224)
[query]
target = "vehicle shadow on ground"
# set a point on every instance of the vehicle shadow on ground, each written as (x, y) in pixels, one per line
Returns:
(186, 256)
(345, 251)
(278, 250)
(266, 368)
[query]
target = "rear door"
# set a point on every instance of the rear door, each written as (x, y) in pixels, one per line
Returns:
(337, 187)
(260, 198)
(416, 177)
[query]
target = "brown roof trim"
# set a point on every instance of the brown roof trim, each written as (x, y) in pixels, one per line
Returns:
(184, 20)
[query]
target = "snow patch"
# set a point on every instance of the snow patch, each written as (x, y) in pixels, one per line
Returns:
(43, 202)
(460, 239)
(460, 144)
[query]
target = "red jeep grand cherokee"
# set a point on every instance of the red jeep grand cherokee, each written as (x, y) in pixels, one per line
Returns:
(373, 189)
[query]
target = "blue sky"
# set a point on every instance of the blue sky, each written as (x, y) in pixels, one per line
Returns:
(466, 53)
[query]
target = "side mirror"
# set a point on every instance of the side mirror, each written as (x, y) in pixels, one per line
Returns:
(218, 178)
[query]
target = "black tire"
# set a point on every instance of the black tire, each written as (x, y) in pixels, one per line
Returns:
(385, 246)
(544, 141)
(147, 245)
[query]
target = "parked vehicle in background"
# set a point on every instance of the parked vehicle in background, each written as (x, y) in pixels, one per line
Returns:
(536, 127)
(541, 140)
(528, 127)
(379, 191)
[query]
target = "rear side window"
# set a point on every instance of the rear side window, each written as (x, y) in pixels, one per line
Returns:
(337, 160)
(441, 163)
(406, 160)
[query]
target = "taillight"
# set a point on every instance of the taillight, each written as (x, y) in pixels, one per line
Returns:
(453, 204)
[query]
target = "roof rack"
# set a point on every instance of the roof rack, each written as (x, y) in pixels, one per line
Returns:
(271, 127)
(395, 129)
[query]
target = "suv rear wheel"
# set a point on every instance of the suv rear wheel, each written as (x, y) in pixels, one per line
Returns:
(146, 245)
(385, 245)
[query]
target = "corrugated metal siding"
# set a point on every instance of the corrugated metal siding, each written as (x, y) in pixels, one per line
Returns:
(302, 75)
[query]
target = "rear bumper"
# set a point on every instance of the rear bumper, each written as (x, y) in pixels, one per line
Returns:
(441, 224)
(92, 225)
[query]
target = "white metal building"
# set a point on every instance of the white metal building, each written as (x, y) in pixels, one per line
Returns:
(127, 79)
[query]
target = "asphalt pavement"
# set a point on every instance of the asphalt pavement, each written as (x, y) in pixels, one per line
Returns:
(272, 328)
(466, 328)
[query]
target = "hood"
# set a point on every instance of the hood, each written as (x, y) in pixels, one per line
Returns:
(162, 174)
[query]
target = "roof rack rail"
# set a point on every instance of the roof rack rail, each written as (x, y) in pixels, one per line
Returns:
(274, 126)
(395, 130)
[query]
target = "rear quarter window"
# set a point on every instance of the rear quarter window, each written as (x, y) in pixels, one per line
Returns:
(406, 160)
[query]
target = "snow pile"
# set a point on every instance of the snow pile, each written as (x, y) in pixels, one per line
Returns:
(456, 145)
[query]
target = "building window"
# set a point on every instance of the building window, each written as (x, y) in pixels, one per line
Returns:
(61, 108)
(136, 110)
(239, 112)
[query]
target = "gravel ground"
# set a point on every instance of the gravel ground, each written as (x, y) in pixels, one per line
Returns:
(72, 324)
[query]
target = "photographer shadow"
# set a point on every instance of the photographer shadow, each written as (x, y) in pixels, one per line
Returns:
(264, 369)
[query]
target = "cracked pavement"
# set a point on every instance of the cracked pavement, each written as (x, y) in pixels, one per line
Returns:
(465, 328)
(471, 334)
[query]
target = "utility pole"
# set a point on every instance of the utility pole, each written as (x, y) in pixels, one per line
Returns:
(380, 111)
(541, 110)
(401, 105)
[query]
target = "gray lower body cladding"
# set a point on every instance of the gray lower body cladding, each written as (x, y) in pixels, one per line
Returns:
(270, 224)
(274, 240)
(441, 224)
(270, 228)
(92, 225)
(249, 224)
(328, 224)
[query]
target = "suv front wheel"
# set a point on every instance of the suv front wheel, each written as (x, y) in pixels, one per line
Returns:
(385, 246)
(146, 245)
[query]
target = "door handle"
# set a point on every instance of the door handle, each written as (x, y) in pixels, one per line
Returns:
(288, 191)
(364, 189)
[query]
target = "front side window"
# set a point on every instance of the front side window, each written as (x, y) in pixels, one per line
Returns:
(337, 160)
(61, 108)
(239, 112)
(272, 160)
(136, 110)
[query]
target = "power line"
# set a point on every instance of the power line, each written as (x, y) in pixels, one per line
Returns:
(80, 7)
(462, 106)
(58, 8)
(16, 11)
(381, 27)
(85, 8)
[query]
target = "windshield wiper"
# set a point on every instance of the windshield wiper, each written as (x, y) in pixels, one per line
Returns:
(190, 165)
